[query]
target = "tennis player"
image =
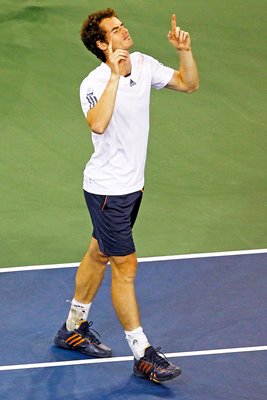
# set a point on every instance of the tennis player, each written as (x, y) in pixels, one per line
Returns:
(115, 101)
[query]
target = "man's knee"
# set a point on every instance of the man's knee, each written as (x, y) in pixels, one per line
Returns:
(95, 253)
(124, 268)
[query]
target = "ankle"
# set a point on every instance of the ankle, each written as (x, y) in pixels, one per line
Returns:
(137, 341)
(78, 312)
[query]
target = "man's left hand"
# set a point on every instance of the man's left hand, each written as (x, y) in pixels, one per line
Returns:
(179, 39)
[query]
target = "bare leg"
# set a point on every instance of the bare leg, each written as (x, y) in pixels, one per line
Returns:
(76, 334)
(90, 273)
(123, 292)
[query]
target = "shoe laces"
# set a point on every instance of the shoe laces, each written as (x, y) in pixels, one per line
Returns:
(85, 330)
(157, 359)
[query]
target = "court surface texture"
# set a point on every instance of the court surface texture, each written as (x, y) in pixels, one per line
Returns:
(207, 312)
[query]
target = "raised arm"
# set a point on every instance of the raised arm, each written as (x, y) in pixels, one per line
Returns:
(186, 78)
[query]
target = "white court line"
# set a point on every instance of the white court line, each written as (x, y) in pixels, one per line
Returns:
(142, 259)
(128, 358)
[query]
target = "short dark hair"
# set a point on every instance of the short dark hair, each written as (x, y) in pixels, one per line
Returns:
(91, 31)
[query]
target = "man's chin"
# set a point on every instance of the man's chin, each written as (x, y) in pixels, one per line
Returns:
(130, 44)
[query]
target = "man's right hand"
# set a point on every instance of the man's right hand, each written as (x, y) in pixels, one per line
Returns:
(117, 59)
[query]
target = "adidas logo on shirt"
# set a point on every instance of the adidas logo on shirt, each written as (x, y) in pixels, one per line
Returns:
(132, 83)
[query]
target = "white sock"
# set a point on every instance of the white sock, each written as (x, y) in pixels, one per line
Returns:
(137, 341)
(78, 312)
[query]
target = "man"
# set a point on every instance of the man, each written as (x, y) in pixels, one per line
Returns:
(115, 101)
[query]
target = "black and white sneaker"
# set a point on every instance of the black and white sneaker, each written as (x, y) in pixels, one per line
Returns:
(155, 367)
(83, 340)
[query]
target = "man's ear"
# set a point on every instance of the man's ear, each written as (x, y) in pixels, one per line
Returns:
(102, 45)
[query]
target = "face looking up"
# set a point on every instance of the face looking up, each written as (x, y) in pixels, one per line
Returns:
(116, 31)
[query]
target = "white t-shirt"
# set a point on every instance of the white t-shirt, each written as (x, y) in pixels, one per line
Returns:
(118, 163)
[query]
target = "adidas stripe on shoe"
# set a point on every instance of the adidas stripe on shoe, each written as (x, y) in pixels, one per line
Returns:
(83, 340)
(155, 367)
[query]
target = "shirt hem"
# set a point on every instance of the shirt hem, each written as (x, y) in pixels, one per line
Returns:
(112, 192)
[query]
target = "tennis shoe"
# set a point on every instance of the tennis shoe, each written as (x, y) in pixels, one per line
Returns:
(155, 367)
(83, 340)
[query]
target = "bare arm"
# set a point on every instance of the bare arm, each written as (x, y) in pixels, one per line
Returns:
(186, 78)
(100, 115)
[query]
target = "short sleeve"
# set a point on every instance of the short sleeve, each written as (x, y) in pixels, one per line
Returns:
(90, 92)
(161, 75)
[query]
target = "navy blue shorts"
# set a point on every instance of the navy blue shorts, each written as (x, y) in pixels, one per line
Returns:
(113, 218)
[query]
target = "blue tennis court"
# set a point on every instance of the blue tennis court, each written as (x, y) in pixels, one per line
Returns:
(207, 312)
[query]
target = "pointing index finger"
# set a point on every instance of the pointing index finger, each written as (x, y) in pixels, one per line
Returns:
(110, 46)
(173, 24)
